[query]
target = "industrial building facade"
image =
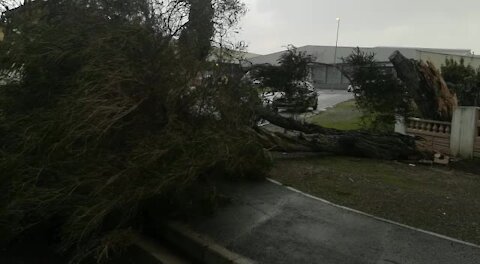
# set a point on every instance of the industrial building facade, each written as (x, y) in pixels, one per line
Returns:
(326, 71)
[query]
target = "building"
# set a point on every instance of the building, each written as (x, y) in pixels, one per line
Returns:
(326, 75)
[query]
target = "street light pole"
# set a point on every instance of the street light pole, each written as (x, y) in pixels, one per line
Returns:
(336, 43)
(336, 47)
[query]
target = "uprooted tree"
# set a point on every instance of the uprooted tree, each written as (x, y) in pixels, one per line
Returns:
(292, 69)
(418, 83)
(426, 86)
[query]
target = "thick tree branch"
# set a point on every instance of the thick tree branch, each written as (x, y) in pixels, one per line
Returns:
(313, 138)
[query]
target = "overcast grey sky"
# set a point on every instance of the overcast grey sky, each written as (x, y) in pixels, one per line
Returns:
(272, 24)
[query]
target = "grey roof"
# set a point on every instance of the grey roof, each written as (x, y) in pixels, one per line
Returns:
(249, 55)
(231, 56)
(326, 54)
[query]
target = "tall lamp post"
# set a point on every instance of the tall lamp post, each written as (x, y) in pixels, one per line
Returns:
(336, 43)
(336, 47)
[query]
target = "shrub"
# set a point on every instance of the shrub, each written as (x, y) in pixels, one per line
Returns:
(378, 93)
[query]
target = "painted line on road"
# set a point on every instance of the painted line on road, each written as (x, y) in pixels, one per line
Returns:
(374, 217)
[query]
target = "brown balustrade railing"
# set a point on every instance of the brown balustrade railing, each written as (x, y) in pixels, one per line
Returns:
(429, 126)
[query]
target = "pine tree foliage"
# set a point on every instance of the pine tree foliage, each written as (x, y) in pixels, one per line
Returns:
(103, 111)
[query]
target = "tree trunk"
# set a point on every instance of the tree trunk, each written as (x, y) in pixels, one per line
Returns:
(313, 138)
(427, 87)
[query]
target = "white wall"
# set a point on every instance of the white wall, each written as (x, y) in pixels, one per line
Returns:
(464, 128)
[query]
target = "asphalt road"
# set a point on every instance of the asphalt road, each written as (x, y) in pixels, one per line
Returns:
(272, 224)
(330, 98)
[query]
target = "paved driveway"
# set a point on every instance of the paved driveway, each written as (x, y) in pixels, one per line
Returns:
(272, 224)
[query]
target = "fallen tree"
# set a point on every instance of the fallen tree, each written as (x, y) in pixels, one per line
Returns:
(312, 138)
(426, 86)
(422, 82)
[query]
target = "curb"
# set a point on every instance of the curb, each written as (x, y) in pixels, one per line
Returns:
(199, 247)
(374, 217)
(148, 251)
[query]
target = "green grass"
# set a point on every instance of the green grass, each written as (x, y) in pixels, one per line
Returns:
(437, 199)
(344, 116)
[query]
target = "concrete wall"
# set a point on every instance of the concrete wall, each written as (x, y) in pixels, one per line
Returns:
(325, 76)
(459, 138)
(433, 136)
(434, 142)
(319, 74)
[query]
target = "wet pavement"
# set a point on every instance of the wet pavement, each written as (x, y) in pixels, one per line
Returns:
(269, 223)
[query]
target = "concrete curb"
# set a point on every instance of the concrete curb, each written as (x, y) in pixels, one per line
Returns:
(148, 251)
(199, 247)
(374, 217)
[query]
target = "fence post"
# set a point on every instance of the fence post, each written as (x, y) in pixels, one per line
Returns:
(464, 127)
